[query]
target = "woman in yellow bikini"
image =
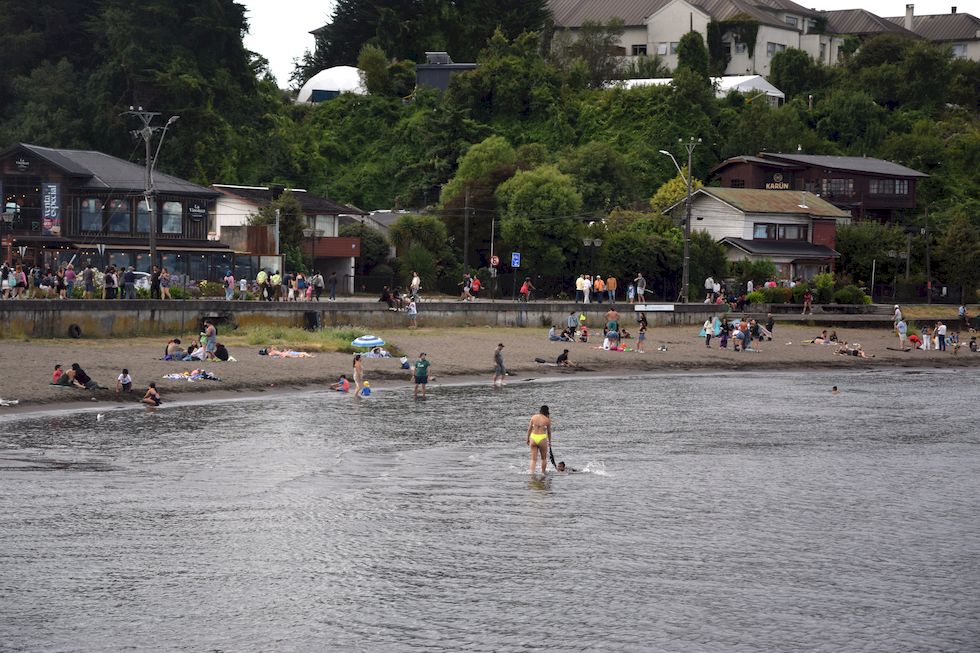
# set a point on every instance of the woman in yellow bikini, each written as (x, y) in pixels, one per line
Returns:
(539, 438)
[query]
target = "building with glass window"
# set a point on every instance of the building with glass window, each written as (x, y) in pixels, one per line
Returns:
(89, 207)
(865, 187)
(797, 231)
(748, 34)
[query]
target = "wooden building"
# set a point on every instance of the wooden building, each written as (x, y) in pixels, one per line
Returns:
(85, 206)
(866, 187)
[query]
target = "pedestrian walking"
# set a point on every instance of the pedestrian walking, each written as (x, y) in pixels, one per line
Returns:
(499, 371)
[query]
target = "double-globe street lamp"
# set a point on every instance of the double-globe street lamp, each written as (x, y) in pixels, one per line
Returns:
(593, 244)
(689, 146)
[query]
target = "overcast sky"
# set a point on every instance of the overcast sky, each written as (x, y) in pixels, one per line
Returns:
(279, 29)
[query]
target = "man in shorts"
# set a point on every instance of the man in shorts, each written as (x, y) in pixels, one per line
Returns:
(421, 374)
(499, 372)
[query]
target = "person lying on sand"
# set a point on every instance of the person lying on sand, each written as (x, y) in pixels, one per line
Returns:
(287, 353)
(853, 350)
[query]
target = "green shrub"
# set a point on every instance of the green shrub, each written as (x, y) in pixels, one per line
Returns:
(777, 295)
(211, 289)
(176, 292)
(824, 288)
(851, 295)
(756, 297)
(798, 291)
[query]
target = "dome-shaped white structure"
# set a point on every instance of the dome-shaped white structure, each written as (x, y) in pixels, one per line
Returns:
(328, 84)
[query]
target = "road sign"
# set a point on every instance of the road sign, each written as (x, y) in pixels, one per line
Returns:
(515, 259)
(494, 260)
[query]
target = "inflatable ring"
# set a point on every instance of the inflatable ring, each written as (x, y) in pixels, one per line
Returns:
(75, 331)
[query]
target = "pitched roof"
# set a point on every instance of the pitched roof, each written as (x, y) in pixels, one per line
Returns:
(756, 200)
(794, 248)
(573, 13)
(944, 27)
(313, 204)
(852, 163)
(861, 22)
(100, 172)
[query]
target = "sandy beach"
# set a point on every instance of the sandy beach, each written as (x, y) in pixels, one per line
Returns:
(456, 355)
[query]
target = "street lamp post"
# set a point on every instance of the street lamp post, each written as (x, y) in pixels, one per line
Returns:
(686, 275)
(149, 192)
(593, 244)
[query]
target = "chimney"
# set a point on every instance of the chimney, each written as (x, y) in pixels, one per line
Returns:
(953, 11)
(909, 12)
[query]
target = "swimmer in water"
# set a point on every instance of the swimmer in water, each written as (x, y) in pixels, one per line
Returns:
(539, 438)
(834, 391)
(561, 467)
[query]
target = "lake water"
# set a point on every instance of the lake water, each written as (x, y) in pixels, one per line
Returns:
(751, 512)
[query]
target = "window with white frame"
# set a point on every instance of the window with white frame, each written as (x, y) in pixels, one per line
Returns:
(792, 21)
(773, 48)
(662, 48)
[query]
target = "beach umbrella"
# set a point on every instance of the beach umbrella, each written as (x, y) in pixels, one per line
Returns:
(367, 341)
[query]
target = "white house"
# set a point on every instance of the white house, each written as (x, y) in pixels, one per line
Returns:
(795, 230)
(748, 85)
(329, 252)
(656, 27)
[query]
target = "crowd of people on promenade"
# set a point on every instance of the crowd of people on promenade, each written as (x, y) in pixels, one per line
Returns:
(932, 336)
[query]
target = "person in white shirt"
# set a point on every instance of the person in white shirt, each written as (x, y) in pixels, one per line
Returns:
(941, 335)
(124, 382)
(586, 288)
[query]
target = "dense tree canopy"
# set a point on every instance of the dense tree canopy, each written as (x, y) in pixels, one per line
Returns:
(533, 134)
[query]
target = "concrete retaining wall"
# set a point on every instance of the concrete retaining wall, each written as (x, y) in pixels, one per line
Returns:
(101, 318)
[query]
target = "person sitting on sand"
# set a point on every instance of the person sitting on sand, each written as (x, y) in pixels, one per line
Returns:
(152, 397)
(583, 334)
(568, 335)
(221, 352)
(342, 384)
(195, 351)
(553, 334)
(624, 334)
(562, 360)
(124, 382)
(81, 379)
(173, 350)
(822, 339)
(56, 374)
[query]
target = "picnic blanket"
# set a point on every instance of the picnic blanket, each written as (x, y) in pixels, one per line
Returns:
(194, 375)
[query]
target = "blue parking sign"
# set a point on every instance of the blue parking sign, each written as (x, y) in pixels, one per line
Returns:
(515, 259)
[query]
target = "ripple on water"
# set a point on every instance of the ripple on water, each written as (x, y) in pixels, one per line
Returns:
(729, 513)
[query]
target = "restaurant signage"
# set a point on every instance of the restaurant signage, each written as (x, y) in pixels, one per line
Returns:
(50, 209)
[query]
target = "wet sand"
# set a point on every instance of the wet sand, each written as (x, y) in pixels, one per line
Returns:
(457, 355)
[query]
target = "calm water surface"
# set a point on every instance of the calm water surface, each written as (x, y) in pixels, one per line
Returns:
(718, 513)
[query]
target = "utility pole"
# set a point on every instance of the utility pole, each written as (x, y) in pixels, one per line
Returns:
(466, 231)
(149, 192)
(928, 268)
(686, 275)
(686, 278)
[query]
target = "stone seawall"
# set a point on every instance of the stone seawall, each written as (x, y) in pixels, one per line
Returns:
(40, 318)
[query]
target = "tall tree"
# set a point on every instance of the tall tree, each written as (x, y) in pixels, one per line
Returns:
(692, 54)
(958, 250)
(595, 46)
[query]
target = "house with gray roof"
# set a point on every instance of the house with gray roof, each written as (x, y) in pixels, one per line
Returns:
(865, 187)
(656, 27)
(862, 23)
(797, 231)
(958, 30)
(62, 205)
